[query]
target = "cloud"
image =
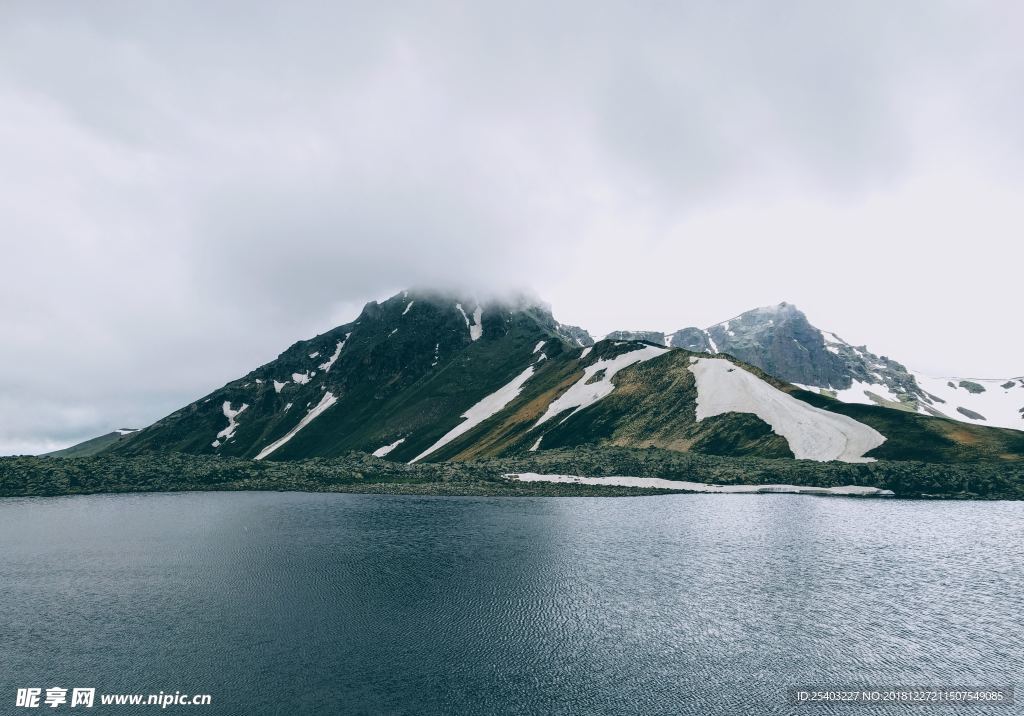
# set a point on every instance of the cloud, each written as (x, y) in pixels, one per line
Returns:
(187, 189)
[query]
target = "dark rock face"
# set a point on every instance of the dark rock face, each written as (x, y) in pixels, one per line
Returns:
(692, 339)
(972, 387)
(784, 343)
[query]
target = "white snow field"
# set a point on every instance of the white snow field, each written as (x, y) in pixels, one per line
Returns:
(382, 451)
(662, 484)
(325, 402)
(484, 409)
(582, 394)
(1000, 403)
(812, 433)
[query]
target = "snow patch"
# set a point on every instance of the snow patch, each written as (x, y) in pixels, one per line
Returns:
(314, 354)
(407, 307)
(711, 342)
(536, 445)
(476, 329)
(232, 415)
(278, 385)
(382, 451)
(582, 394)
(662, 484)
(809, 388)
(832, 339)
(586, 352)
(812, 433)
(327, 401)
(539, 345)
(326, 367)
(491, 405)
(301, 378)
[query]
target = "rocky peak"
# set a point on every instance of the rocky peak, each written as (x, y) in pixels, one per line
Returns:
(657, 337)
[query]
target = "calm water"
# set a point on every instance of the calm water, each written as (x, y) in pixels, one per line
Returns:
(297, 603)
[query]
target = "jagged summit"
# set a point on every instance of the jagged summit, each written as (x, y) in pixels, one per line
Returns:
(649, 336)
(497, 306)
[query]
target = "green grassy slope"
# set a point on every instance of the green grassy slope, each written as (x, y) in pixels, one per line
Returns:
(910, 436)
(93, 446)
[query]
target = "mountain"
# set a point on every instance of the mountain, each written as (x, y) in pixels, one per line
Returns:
(388, 382)
(93, 446)
(427, 376)
(782, 342)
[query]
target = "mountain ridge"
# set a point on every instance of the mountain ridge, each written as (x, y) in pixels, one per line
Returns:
(436, 376)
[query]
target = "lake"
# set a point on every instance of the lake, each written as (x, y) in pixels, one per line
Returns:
(293, 603)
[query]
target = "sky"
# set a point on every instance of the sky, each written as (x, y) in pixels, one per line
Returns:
(187, 188)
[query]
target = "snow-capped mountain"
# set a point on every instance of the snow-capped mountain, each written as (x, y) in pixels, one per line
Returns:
(782, 342)
(428, 376)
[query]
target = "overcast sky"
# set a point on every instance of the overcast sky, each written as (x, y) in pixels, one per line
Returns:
(187, 188)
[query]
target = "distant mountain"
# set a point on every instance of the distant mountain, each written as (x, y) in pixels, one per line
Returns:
(428, 376)
(656, 337)
(782, 342)
(93, 446)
